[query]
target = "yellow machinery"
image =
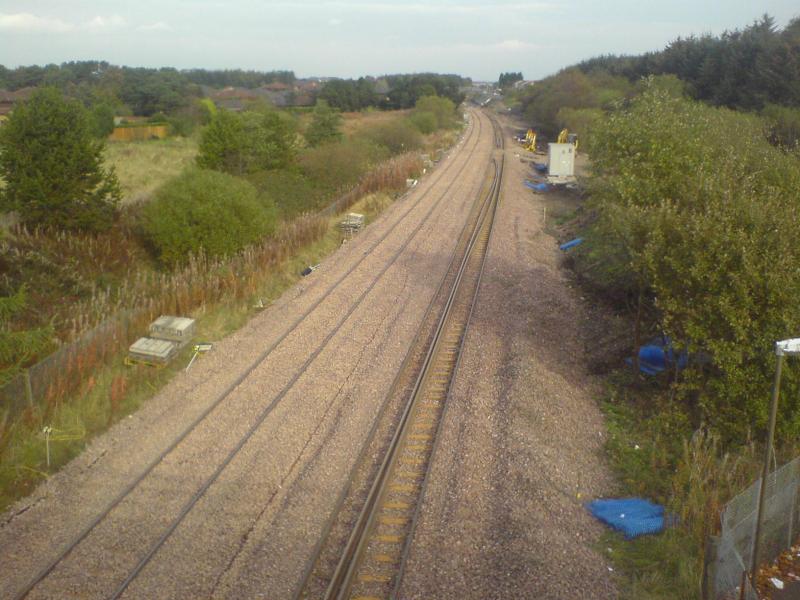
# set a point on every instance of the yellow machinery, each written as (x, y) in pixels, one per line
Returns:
(565, 137)
(530, 141)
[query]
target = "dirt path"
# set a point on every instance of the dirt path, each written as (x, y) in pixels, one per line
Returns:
(522, 440)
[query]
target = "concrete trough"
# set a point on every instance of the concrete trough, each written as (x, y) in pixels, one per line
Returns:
(153, 351)
(177, 329)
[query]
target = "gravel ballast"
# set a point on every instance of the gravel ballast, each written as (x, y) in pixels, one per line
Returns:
(250, 534)
(521, 445)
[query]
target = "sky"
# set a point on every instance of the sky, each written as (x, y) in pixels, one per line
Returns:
(475, 38)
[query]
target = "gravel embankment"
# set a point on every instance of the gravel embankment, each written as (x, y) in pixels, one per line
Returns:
(521, 446)
(249, 535)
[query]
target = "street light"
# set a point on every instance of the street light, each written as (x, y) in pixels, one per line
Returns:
(783, 348)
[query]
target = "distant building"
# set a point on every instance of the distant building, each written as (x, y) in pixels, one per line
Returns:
(523, 83)
(233, 98)
(301, 93)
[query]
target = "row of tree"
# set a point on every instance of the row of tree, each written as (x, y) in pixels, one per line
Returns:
(393, 91)
(142, 91)
(507, 80)
(747, 68)
(755, 69)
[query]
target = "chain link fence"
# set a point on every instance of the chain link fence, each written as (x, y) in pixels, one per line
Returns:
(728, 555)
(63, 371)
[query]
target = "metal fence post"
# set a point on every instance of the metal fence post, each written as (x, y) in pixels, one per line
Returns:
(709, 568)
(793, 509)
(28, 388)
(776, 390)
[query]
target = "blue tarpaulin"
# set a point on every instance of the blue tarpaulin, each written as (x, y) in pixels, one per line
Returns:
(658, 355)
(570, 244)
(537, 187)
(631, 516)
(541, 167)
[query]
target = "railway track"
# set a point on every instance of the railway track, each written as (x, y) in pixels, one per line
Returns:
(473, 138)
(372, 562)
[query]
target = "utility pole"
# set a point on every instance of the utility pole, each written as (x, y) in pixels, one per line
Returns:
(783, 348)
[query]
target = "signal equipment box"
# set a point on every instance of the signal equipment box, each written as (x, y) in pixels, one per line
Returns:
(561, 160)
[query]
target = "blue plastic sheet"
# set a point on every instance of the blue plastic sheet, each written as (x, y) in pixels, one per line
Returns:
(658, 355)
(541, 167)
(631, 516)
(537, 187)
(570, 244)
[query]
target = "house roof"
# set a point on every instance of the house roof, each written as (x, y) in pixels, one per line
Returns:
(230, 93)
(276, 86)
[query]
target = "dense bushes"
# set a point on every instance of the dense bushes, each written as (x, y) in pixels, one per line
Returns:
(784, 125)
(289, 190)
(205, 211)
(703, 213)
(570, 89)
(241, 143)
(398, 136)
(324, 126)
(442, 111)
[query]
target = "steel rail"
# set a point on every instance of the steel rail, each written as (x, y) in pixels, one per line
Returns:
(405, 367)
(342, 582)
(67, 549)
(265, 413)
(424, 487)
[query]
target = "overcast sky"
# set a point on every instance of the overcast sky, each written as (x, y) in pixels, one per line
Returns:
(474, 38)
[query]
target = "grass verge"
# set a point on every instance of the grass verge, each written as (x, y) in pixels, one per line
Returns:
(658, 454)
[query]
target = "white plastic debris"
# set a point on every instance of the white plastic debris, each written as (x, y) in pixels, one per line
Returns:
(776, 582)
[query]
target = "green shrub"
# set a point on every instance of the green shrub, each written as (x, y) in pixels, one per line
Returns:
(784, 125)
(442, 109)
(334, 167)
(397, 136)
(204, 211)
(207, 110)
(102, 120)
(19, 347)
(424, 121)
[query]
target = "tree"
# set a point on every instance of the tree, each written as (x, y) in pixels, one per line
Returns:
(242, 143)
(53, 166)
(507, 80)
(324, 125)
(102, 120)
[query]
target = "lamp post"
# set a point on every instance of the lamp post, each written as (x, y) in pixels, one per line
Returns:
(783, 348)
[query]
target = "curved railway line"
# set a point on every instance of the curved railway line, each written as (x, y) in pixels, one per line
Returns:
(372, 560)
(472, 138)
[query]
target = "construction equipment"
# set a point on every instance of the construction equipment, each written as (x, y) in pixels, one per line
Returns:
(565, 137)
(530, 140)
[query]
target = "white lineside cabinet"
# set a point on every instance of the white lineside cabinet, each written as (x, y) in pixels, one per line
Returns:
(561, 160)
